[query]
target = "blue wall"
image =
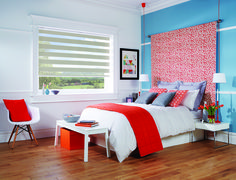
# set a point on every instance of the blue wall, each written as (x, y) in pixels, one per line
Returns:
(193, 13)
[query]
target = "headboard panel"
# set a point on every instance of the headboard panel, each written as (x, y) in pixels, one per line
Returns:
(187, 55)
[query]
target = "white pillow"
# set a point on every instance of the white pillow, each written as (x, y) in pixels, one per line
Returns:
(190, 98)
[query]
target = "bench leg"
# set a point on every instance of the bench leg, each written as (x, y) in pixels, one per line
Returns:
(85, 148)
(56, 135)
(107, 144)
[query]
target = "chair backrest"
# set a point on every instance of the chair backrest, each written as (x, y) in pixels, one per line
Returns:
(18, 110)
(31, 113)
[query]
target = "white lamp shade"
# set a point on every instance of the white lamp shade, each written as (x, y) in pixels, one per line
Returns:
(143, 78)
(219, 78)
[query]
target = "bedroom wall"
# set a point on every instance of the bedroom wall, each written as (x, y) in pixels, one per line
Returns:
(196, 12)
(16, 57)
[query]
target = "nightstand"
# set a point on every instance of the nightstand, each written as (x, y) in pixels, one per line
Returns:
(214, 128)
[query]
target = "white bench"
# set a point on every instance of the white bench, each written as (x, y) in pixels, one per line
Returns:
(82, 130)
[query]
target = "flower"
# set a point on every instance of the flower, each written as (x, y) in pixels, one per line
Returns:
(44, 85)
(211, 108)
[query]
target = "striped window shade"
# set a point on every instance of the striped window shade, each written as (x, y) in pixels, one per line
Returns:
(73, 54)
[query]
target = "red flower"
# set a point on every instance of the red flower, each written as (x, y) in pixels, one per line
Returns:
(201, 107)
(216, 107)
(221, 105)
(213, 104)
(207, 107)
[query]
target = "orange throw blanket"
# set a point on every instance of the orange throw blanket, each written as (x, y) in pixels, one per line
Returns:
(143, 124)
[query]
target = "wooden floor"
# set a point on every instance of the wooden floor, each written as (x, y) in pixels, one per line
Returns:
(189, 161)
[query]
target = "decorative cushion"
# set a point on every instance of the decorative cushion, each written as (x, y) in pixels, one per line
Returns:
(194, 86)
(179, 96)
(168, 85)
(158, 90)
(18, 110)
(163, 99)
(190, 99)
(146, 98)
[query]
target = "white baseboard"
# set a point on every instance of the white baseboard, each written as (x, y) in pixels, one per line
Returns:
(41, 133)
(222, 136)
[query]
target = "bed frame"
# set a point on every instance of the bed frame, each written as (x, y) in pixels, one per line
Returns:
(187, 137)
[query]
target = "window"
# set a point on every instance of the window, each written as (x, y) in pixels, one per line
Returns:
(75, 61)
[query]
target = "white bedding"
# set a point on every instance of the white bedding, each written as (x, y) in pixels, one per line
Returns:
(170, 121)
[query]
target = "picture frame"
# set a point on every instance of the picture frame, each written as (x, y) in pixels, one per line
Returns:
(129, 64)
(129, 99)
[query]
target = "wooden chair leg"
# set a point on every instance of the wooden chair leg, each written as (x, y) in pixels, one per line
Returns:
(33, 135)
(29, 131)
(15, 136)
(12, 134)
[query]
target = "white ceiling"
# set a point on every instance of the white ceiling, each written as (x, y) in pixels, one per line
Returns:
(135, 5)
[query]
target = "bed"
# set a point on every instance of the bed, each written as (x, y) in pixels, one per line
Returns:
(174, 110)
(170, 121)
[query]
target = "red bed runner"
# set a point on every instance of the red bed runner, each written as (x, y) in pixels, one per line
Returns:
(143, 124)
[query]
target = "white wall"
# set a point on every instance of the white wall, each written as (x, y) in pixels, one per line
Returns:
(16, 53)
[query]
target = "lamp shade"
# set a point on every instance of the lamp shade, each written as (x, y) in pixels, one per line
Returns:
(143, 77)
(219, 78)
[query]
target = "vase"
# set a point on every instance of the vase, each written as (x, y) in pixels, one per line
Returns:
(211, 118)
(47, 91)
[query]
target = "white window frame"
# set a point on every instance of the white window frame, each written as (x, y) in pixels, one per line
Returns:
(74, 95)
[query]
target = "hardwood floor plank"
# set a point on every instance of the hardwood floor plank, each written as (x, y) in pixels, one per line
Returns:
(197, 160)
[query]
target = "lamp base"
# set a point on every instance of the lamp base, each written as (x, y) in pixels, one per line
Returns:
(217, 121)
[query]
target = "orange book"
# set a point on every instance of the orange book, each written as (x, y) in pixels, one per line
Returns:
(87, 124)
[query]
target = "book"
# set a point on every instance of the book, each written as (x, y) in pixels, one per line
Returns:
(87, 124)
(87, 121)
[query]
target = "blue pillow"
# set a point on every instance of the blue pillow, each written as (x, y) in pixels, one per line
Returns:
(163, 99)
(146, 98)
(194, 86)
(168, 85)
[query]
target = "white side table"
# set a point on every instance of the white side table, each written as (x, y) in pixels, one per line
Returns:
(214, 128)
(83, 130)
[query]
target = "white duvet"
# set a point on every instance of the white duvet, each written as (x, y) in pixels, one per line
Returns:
(170, 121)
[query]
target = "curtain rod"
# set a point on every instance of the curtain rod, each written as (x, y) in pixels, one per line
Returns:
(218, 21)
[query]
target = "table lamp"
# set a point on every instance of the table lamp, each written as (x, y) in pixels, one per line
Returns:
(142, 78)
(218, 78)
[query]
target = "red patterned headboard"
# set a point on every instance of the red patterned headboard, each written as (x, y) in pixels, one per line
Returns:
(187, 55)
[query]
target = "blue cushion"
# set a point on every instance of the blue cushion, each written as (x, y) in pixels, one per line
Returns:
(146, 98)
(194, 86)
(168, 85)
(163, 99)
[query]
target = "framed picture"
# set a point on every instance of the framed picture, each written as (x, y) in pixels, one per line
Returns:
(129, 99)
(129, 64)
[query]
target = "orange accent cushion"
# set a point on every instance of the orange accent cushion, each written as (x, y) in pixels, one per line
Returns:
(179, 96)
(18, 110)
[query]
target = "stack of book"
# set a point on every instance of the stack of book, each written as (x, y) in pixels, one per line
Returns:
(87, 123)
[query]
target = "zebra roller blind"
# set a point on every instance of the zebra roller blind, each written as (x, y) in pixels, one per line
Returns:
(73, 54)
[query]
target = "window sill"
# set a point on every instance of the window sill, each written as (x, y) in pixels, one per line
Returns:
(72, 97)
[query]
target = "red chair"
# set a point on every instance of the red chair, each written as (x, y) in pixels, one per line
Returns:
(22, 124)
